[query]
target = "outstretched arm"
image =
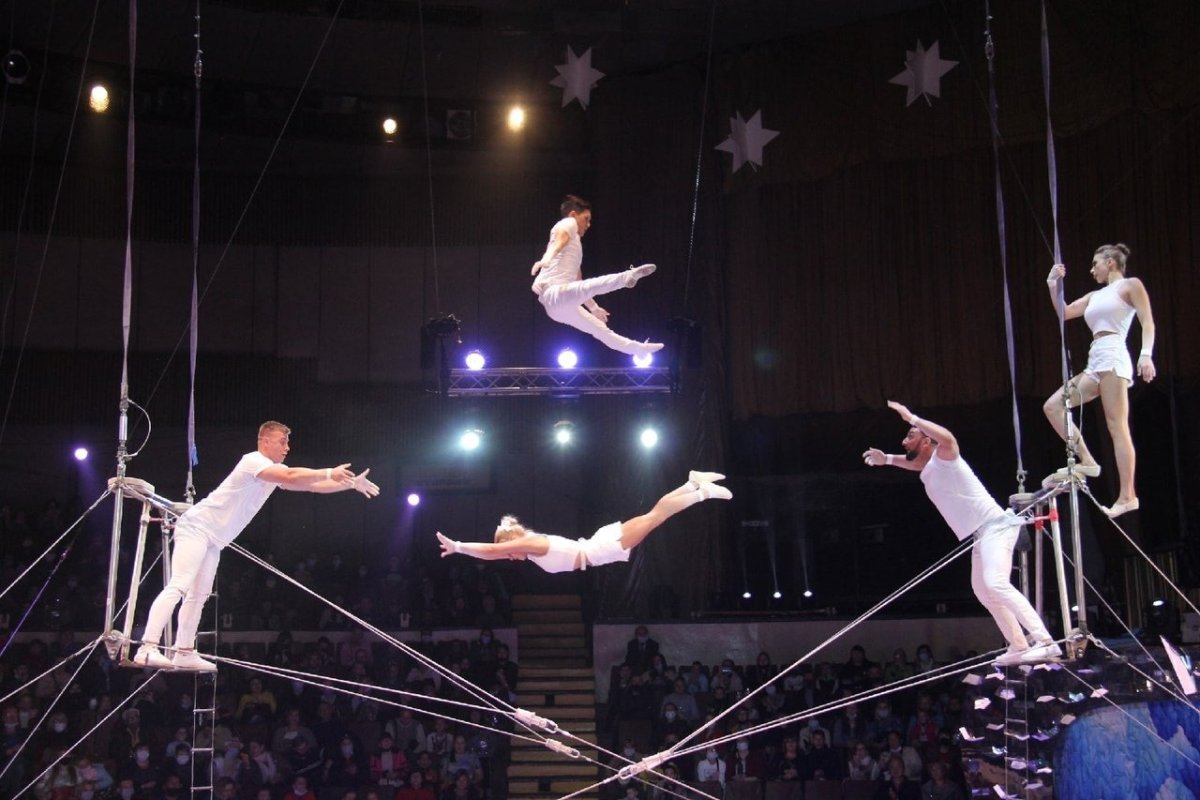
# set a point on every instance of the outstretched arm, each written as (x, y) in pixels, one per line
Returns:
(874, 457)
(1137, 296)
(319, 481)
(947, 444)
(493, 551)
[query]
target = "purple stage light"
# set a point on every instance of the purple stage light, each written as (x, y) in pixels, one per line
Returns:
(475, 361)
(81, 453)
(567, 359)
(644, 360)
(414, 499)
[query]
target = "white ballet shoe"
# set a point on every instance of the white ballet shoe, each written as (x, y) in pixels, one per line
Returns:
(1010, 657)
(645, 348)
(1062, 475)
(149, 656)
(711, 491)
(1045, 651)
(697, 477)
(635, 274)
(189, 660)
(1117, 509)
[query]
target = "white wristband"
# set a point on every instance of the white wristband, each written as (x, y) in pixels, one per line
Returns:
(914, 420)
(455, 547)
(889, 459)
(329, 473)
(1146, 353)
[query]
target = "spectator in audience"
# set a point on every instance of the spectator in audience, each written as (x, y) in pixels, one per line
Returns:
(226, 762)
(811, 727)
(925, 662)
(640, 650)
(908, 755)
(390, 765)
(464, 758)
(761, 671)
(898, 668)
(923, 731)
(299, 790)
(629, 698)
(669, 723)
(462, 788)
(489, 614)
(406, 731)
(696, 678)
(430, 766)
(745, 764)
(895, 786)
(788, 764)
(939, 786)
(925, 703)
(416, 789)
(347, 766)
(128, 737)
(727, 675)
(883, 723)
(328, 729)
(287, 733)
(718, 700)
(849, 727)
(178, 764)
(770, 702)
(862, 765)
(668, 788)
(684, 703)
(712, 768)
(828, 685)
(258, 768)
(173, 788)
(854, 671)
(257, 706)
(303, 759)
(224, 788)
(822, 762)
(440, 740)
(301, 697)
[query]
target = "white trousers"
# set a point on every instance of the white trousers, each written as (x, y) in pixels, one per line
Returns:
(193, 570)
(991, 571)
(564, 303)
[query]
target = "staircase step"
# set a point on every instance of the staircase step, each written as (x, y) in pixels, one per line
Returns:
(542, 755)
(574, 740)
(550, 642)
(562, 769)
(555, 662)
(558, 714)
(536, 700)
(543, 685)
(545, 601)
(550, 672)
(571, 628)
(525, 789)
(538, 616)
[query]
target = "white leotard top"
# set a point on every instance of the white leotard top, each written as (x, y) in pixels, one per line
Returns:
(567, 265)
(563, 555)
(1108, 311)
(959, 495)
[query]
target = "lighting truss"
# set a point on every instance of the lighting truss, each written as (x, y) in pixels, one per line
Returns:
(532, 381)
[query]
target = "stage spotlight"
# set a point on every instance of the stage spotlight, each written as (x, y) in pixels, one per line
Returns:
(98, 98)
(808, 593)
(390, 126)
(414, 499)
(564, 431)
(81, 453)
(1161, 619)
(746, 595)
(778, 594)
(516, 118)
(16, 67)
(470, 440)
(567, 359)
(1159, 603)
(644, 360)
(648, 437)
(475, 360)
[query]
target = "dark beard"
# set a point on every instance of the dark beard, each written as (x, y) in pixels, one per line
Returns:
(910, 455)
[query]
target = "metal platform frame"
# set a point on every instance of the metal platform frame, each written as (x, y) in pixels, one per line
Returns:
(540, 381)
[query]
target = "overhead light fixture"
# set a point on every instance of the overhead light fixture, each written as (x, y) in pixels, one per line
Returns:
(516, 118)
(98, 98)
(390, 126)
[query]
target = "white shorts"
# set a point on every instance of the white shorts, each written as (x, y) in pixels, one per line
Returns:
(604, 547)
(1109, 354)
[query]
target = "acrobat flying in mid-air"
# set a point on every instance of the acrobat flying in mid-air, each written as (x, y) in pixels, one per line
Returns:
(571, 300)
(610, 544)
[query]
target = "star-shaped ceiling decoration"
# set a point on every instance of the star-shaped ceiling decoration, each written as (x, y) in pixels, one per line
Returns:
(746, 140)
(576, 77)
(923, 71)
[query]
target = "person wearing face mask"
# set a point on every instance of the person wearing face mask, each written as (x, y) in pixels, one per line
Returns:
(93, 773)
(127, 791)
(179, 765)
(141, 771)
(770, 702)
(711, 768)
(347, 766)
(669, 723)
(299, 790)
(849, 727)
(227, 760)
(640, 650)
(684, 703)
(208, 527)
(745, 763)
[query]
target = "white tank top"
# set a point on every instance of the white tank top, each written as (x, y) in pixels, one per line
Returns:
(1108, 311)
(567, 266)
(959, 495)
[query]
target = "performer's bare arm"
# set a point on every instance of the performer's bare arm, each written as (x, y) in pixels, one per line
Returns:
(529, 545)
(947, 445)
(1072, 310)
(319, 481)
(1134, 292)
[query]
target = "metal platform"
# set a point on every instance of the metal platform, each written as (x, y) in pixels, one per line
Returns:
(536, 381)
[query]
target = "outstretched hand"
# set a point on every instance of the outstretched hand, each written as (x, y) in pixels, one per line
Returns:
(874, 457)
(537, 267)
(363, 486)
(448, 545)
(901, 409)
(342, 474)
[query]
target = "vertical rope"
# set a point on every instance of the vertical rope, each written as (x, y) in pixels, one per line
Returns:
(993, 117)
(127, 285)
(687, 275)
(194, 326)
(437, 297)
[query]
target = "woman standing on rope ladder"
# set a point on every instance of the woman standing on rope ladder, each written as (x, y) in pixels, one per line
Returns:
(571, 300)
(1109, 312)
(609, 544)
